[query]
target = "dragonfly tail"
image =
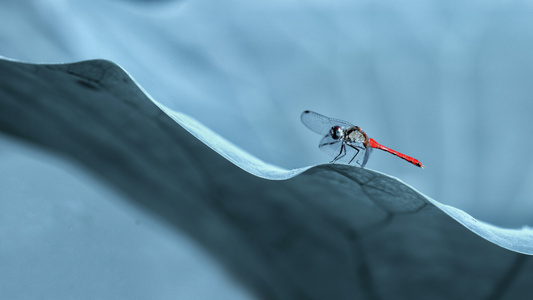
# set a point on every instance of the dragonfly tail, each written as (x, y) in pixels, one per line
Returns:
(372, 143)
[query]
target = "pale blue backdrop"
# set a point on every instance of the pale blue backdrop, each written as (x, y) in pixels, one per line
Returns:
(448, 82)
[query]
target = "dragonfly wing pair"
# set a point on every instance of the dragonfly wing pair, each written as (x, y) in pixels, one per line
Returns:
(321, 124)
(336, 148)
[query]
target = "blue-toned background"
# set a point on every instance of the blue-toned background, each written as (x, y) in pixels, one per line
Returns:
(447, 82)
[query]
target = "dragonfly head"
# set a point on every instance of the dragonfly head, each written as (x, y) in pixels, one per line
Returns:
(336, 132)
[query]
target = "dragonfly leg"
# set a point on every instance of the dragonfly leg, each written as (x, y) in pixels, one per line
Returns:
(341, 154)
(327, 144)
(356, 149)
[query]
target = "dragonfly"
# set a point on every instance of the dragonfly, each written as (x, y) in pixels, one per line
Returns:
(345, 141)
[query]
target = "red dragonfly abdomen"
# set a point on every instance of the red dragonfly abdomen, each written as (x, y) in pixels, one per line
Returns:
(372, 143)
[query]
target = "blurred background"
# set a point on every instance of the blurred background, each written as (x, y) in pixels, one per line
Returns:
(447, 82)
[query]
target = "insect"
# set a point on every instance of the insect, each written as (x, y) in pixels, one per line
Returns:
(345, 141)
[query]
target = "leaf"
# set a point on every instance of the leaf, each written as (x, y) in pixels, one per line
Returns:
(327, 231)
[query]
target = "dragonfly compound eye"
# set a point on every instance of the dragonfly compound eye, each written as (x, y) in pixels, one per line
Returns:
(336, 132)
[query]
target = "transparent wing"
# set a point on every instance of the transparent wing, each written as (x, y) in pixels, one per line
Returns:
(358, 153)
(330, 146)
(364, 160)
(320, 123)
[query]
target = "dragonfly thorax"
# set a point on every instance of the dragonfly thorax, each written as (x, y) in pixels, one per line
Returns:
(356, 135)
